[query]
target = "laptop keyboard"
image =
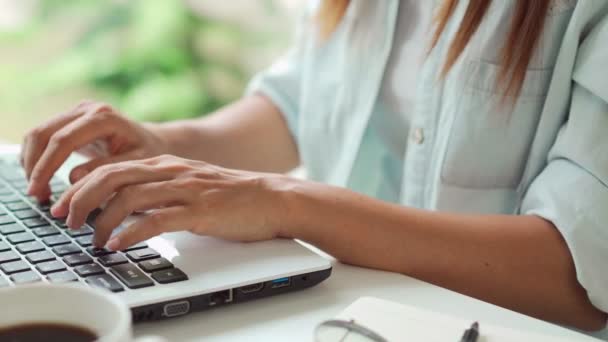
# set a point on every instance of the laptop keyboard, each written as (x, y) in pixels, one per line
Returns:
(35, 247)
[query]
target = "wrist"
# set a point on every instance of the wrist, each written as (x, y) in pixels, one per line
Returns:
(286, 193)
(176, 137)
(158, 131)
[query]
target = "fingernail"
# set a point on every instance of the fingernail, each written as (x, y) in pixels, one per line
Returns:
(113, 244)
(70, 221)
(55, 210)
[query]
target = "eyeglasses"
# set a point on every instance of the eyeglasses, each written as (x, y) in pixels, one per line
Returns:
(345, 331)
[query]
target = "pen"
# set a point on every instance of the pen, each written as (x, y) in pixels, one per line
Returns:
(471, 334)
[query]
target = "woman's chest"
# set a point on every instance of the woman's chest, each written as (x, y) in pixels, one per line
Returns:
(479, 136)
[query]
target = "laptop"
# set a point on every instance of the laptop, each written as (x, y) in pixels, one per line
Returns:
(167, 276)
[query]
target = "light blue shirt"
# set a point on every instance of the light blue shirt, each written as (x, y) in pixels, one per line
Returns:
(546, 155)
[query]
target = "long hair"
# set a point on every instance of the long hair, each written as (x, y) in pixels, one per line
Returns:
(526, 27)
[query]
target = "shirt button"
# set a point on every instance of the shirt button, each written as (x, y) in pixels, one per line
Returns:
(418, 136)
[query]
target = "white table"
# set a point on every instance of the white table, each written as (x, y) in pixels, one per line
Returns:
(293, 316)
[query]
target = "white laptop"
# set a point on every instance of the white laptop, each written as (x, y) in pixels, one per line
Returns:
(167, 276)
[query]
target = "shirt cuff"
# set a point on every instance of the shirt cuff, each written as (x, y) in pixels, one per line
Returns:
(575, 201)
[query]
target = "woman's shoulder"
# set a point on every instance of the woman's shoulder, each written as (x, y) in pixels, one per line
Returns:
(592, 52)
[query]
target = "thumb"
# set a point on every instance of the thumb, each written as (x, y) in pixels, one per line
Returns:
(82, 170)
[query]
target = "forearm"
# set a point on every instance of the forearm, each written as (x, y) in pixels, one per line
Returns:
(250, 134)
(518, 262)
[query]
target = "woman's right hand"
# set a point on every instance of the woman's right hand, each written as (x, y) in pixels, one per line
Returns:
(97, 130)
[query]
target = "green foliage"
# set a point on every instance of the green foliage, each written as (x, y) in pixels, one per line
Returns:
(154, 59)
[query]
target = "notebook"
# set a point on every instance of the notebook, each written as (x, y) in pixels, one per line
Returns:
(398, 322)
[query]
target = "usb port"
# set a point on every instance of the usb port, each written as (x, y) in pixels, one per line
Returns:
(281, 282)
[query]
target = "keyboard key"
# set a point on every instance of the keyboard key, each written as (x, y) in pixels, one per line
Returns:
(6, 220)
(13, 174)
(56, 240)
(62, 277)
(85, 241)
(45, 231)
(60, 222)
(170, 275)
(140, 245)
(155, 265)
(131, 276)
(105, 281)
(20, 183)
(57, 182)
(3, 282)
(60, 190)
(9, 256)
(35, 222)
(97, 252)
(26, 214)
(11, 229)
(22, 189)
(4, 246)
(30, 247)
(84, 230)
(89, 270)
(50, 267)
(9, 199)
(25, 277)
(17, 206)
(37, 257)
(32, 199)
(77, 259)
(66, 250)
(2, 211)
(20, 238)
(44, 206)
(14, 267)
(112, 259)
(142, 254)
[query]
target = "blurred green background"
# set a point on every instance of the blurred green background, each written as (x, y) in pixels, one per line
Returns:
(152, 59)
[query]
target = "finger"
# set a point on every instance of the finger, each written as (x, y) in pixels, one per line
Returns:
(84, 169)
(37, 139)
(66, 140)
(153, 224)
(106, 181)
(21, 153)
(60, 208)
(135, 198)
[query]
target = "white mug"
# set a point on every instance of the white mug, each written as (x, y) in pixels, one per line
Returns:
(76, 305)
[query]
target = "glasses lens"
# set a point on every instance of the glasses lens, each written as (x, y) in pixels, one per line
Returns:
(344, 331)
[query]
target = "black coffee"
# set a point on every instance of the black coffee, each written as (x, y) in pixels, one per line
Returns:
(40, 332)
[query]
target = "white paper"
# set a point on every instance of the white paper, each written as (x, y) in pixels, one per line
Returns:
(398, 322)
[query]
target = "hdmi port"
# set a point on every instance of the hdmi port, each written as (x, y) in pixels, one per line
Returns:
(252, 288)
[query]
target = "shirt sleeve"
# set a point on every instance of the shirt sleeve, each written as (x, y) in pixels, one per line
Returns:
(572, 190)
(281, 82)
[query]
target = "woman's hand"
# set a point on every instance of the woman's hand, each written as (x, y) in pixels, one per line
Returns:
(177, 194)
(97, 130)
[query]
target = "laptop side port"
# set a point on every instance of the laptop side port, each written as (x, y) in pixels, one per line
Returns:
(220, 297)
(281, 282)
(252, 288)
(176, 308)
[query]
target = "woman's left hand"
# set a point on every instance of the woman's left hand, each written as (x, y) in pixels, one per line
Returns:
(175, 194)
